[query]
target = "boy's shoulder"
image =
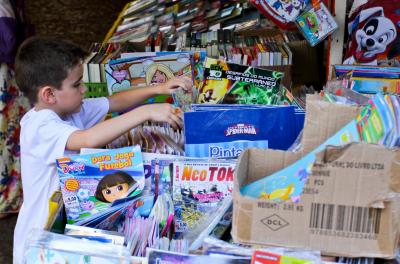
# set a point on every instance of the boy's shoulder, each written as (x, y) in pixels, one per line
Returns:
(44, 116)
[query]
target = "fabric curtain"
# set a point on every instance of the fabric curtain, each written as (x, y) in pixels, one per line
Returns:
(13, 106)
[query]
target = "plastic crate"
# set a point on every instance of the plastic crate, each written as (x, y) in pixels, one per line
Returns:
(94, 90)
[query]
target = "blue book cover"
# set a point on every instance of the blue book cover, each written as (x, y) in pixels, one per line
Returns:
(226, 133)
(368, 71)
(93, 184)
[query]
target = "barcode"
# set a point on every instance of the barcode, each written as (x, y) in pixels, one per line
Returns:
(345, 218)
(356, 260)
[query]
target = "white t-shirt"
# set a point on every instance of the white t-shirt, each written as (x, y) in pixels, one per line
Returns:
(43, 139)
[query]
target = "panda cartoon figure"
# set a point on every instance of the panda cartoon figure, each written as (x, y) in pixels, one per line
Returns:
(372, 35)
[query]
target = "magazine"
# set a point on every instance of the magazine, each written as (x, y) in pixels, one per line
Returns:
(92, 184)
(201, 181)
(200, 188)
(238, 84)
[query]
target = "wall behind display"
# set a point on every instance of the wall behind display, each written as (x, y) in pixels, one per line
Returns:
(81, 21)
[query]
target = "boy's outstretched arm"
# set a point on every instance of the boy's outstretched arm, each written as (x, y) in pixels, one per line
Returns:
(125, 100)
(105, 132)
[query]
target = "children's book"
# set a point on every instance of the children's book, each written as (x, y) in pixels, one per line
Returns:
(370, 124)
(92, 184)
(282, 13)
(238, 84)
(136, 72)
(198, 62)
(368, 71)
(149, 162)
(375, 85)
(225, 131)
(161, 177)
(138, 207)
(316, 24)
(377, 123)
(288, 183)
(396, 107)
(394, 135)
(155, 256)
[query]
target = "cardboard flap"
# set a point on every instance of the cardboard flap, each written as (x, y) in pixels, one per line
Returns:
(259, 163)
(395, 173)
(331, 153)
(323, 119)
(369, 163)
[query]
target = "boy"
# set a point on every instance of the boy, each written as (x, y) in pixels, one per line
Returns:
(49, 72)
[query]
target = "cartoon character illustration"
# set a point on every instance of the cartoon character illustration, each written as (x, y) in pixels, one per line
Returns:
(277, 5)
(208, 96)
(298, 4)
(374, 34)
(312, 23)
(282, 194)
(83, 194)
(114, 186)
(87, 205)
(158, 73)
(289, 7)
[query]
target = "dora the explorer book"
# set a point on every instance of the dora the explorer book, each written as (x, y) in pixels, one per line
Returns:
(92, 184)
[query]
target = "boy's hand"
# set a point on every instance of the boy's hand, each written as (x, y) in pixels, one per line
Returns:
(165, 113)
(174, 83)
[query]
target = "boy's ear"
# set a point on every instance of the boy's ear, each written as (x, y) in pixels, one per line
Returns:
(46, 94)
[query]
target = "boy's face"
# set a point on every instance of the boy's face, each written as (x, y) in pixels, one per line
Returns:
(69, 98)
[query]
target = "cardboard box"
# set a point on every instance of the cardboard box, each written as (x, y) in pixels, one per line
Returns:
(323, 119)
(349, 206)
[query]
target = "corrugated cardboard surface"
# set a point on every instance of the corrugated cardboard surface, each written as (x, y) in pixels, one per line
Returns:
(339, 210)
(323, 120)
(347, 208)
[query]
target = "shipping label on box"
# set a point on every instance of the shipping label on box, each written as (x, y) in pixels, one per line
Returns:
(349, 206)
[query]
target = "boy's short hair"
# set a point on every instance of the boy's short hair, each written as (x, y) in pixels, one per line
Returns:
(43, 61)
